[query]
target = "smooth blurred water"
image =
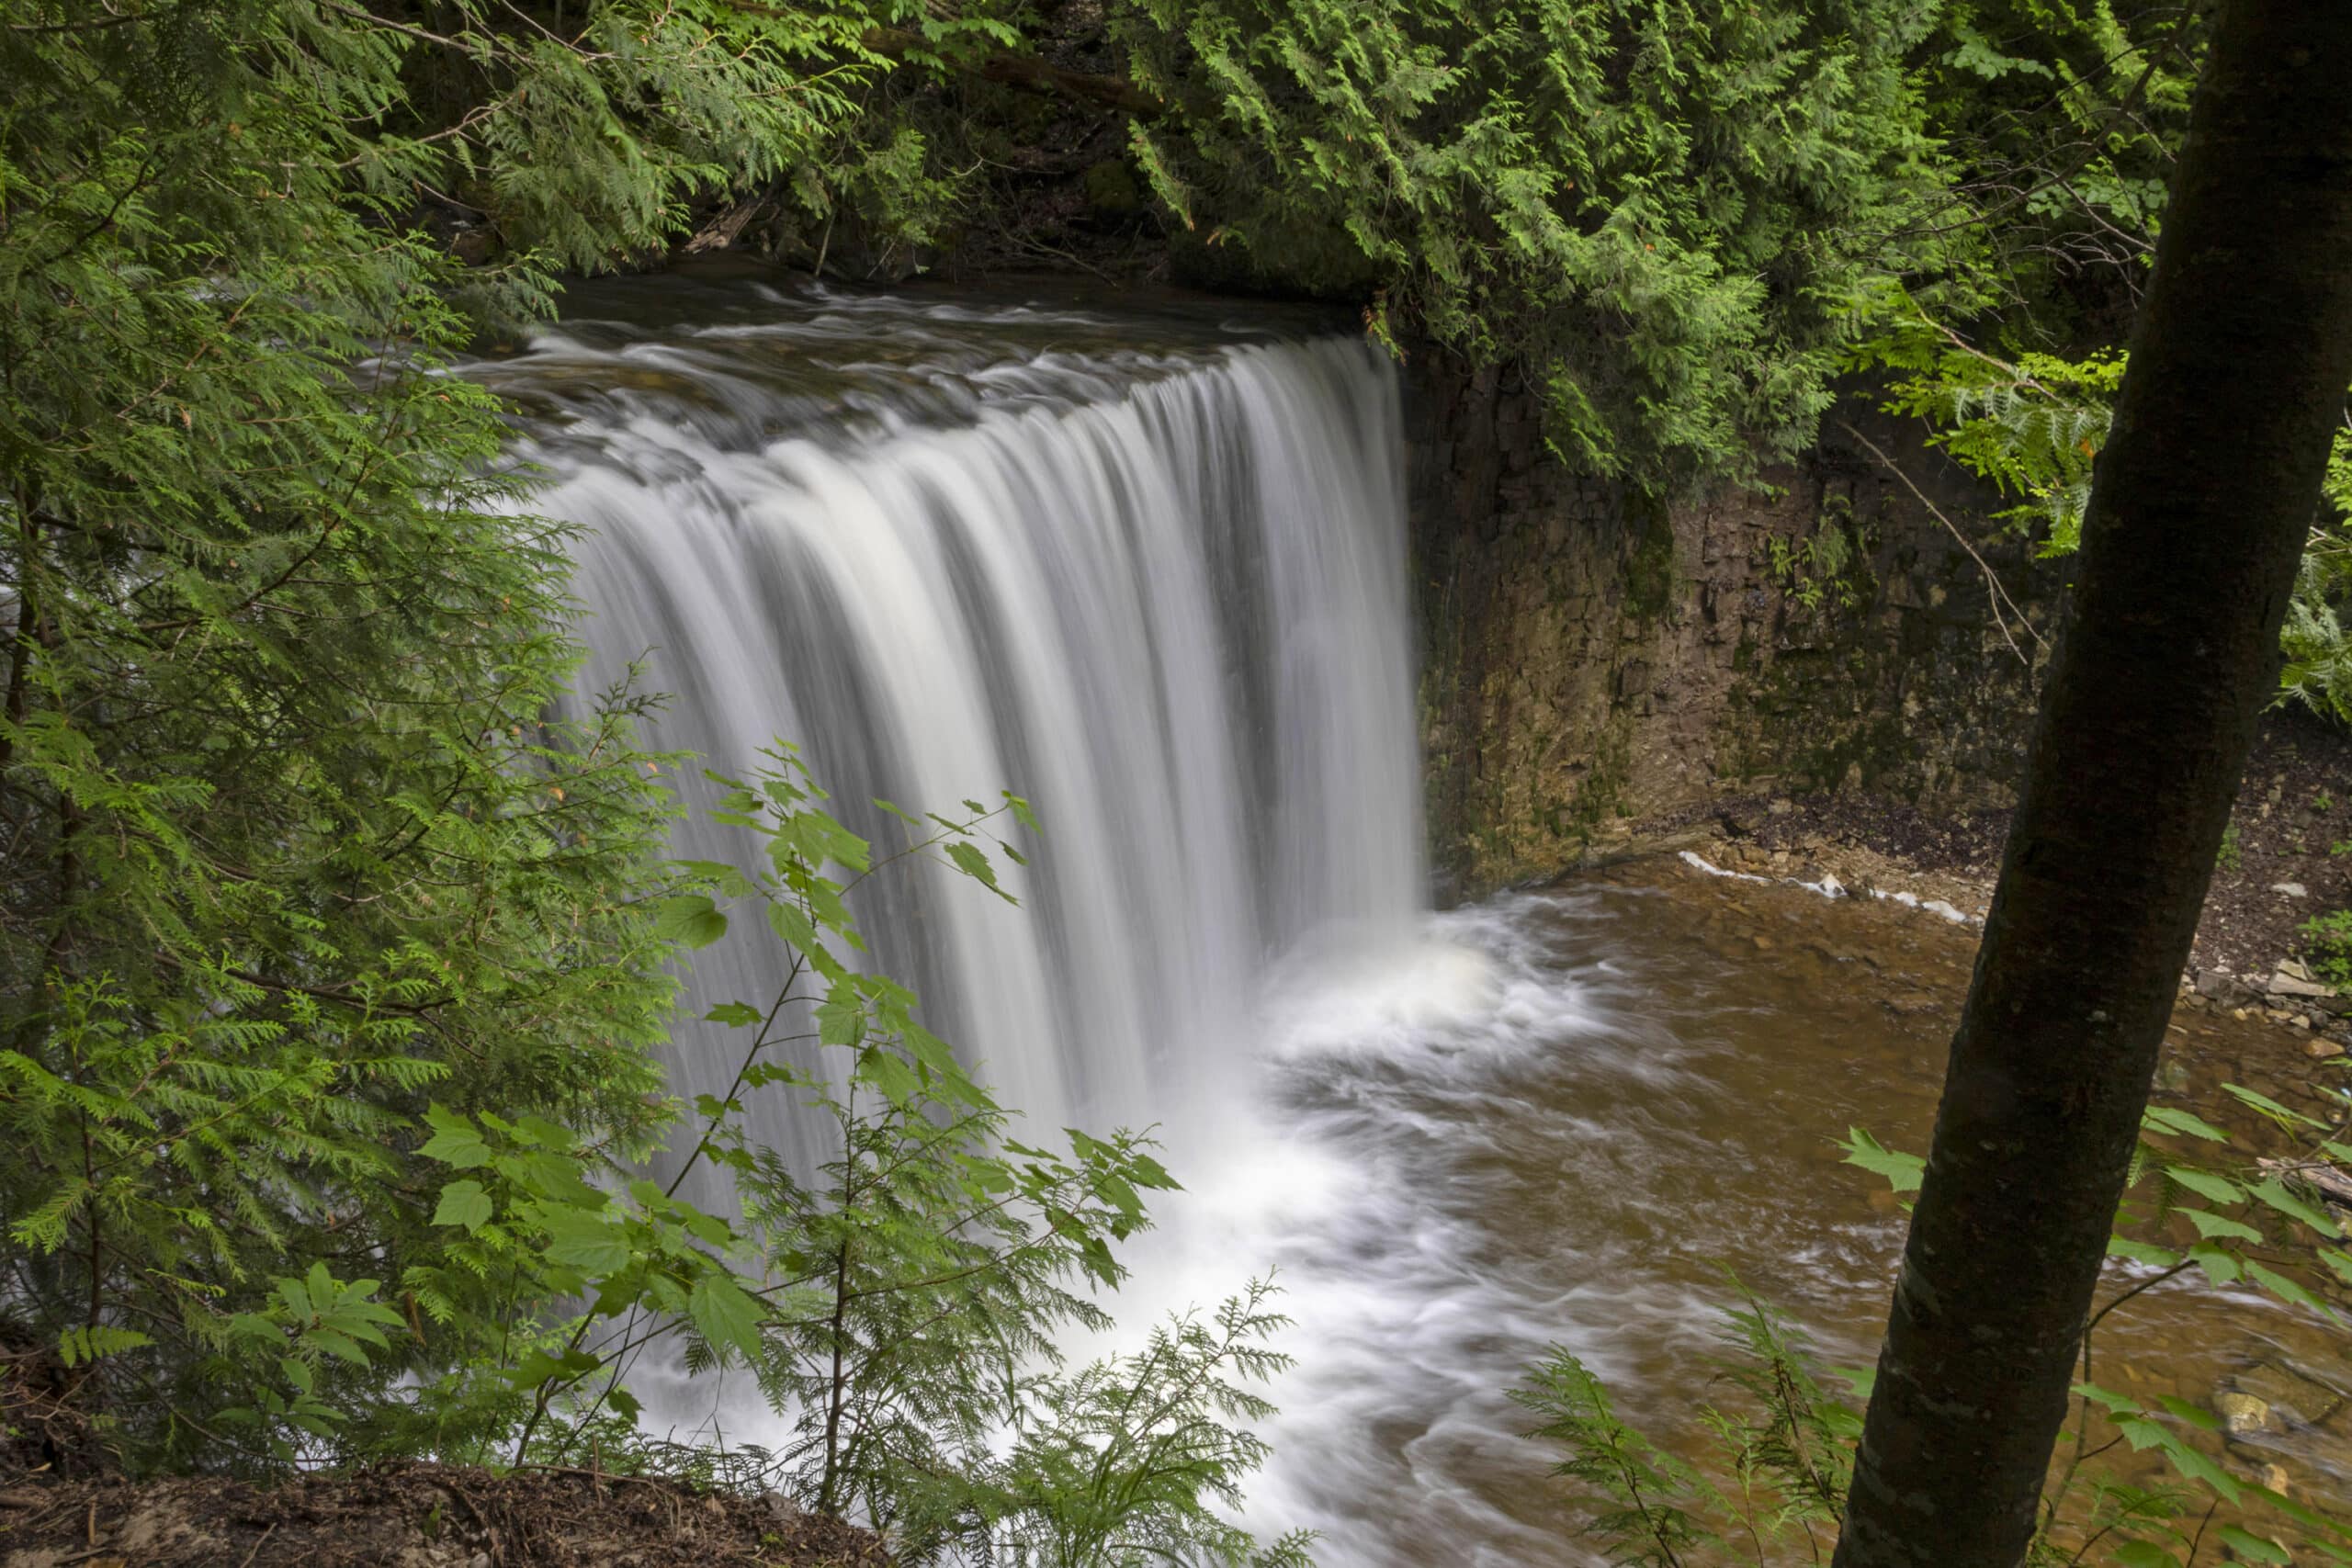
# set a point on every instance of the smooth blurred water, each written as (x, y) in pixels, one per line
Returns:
(1146, 572)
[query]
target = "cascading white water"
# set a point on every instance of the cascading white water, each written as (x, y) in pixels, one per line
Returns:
(1149, 572)
(1161, 594)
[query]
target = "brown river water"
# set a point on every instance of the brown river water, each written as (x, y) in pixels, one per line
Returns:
(1567, 1114)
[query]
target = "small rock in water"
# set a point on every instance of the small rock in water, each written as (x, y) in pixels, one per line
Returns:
(2322, 1049)
(2292, 1396)
(2243, 1412)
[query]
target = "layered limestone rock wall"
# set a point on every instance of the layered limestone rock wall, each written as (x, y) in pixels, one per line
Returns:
(1590, 658)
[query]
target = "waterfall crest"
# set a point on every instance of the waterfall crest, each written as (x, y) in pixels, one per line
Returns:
(1161, 594)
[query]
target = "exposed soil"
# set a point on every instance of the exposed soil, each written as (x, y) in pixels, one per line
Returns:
(2293, 809)
(413, 1516)
(63, 1501)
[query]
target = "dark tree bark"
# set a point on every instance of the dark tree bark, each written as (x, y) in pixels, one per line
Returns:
(2240, 358)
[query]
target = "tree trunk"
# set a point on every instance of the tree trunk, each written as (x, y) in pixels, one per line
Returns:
(2240, 358)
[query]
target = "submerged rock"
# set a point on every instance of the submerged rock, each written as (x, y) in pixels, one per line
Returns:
(2289, 1394)
(2243, 1413)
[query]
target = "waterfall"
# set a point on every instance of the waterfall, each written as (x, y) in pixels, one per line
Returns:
(1159, 593)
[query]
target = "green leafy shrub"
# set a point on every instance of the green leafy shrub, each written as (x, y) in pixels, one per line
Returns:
(291, 851)
(1827, 567)
(2327, 947)
(2032, 427)
(898, 1305)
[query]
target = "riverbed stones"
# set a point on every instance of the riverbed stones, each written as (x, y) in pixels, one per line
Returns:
(2292, 979)
(2243, 1413)
(2288, 1393)
(2221, 986)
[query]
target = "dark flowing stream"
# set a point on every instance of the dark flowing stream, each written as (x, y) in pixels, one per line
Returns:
(1147, 568)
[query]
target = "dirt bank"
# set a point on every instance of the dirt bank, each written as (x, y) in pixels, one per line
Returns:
(413, 1516)
(2278, 869)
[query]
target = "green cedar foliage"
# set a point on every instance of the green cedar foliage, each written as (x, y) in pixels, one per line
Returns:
(1127, 1460)
(290, 848)
(2060, 119)
(1786, 1447)
(1656, 209)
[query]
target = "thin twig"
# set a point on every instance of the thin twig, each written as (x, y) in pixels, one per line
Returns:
(248, 1562)
(1995, 592)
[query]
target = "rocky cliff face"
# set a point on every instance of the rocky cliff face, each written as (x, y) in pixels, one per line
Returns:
(1590, 657)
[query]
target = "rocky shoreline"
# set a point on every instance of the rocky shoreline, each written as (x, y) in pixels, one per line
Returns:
(2280, 869)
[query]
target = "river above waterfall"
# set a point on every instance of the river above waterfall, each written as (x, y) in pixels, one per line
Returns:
(1144, 565)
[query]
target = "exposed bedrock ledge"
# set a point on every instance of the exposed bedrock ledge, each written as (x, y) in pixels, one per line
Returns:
(1590, 657)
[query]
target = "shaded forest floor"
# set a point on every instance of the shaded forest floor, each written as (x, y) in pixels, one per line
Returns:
(64, 1504)
(414, 1515)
